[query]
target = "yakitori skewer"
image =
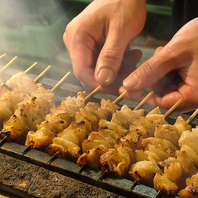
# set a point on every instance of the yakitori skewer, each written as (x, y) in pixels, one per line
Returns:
(56, 121)
(119, 159)
(69, 141)
(183, 166)
(29, 113)
(86, 120)
(108, 134)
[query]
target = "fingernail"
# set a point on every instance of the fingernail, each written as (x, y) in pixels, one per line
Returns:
(105, 75)
(131, 81)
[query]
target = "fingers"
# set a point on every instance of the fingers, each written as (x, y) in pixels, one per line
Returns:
(183, 91)
(153, 69)
(109, 60)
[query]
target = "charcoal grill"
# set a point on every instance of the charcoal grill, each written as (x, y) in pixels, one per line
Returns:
(20, 155)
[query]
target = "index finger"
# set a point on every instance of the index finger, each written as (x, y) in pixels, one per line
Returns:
(154, 69)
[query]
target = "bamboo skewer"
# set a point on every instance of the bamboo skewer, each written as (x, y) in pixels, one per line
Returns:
(144, 100)
(42, 73)
(93, 92)
(8, 64)
(2, 55)
(192, 116)
(60, 82)
(119, 97)
(140, 104)
(173, 107)
(31, 67)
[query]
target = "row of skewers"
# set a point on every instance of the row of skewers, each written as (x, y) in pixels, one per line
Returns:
(120, 141)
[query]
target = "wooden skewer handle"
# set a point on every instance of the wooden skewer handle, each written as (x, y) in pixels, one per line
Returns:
(8, 64)
(93, 92)
(60, 82)
(42, 73)
(173, 107)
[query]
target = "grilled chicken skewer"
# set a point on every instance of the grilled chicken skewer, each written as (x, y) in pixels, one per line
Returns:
(56, 121)
(98, 142)
(156, 149)
(109, 132)
(66, 138)
(28, 114)
(160, 152)
(68, 142)
(12, 93)
(182, 166)
(119, 159)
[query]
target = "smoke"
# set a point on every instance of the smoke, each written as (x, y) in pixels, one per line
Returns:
(32, 30)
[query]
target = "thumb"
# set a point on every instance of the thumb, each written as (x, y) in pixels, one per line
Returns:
(110, 59)
(151, 70)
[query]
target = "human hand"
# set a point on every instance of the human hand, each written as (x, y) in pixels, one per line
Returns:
(98, 38)
(171, 73)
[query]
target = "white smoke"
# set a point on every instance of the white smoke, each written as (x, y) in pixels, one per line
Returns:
(32, 30)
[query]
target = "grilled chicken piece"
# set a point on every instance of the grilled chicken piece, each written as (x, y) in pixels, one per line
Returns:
(99, 142)
(189, 138)
(181, 125)
(28, 114)
(22, 83)
(175, 172)
(117, 160)
(191, 189)
(125, 117)
(191, 153)
(15, 93)
(107, 136)
(144, 171)
(156, 115)
(168, 132)
(144, 127)
(57, 120)
(90, 115)
(140, 128)
(68, 143)
(153, 151)
(162, 144)
(172, 132)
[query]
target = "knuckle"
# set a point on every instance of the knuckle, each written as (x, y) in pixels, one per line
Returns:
(148, 70)
(170, 57)
(111, 54)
